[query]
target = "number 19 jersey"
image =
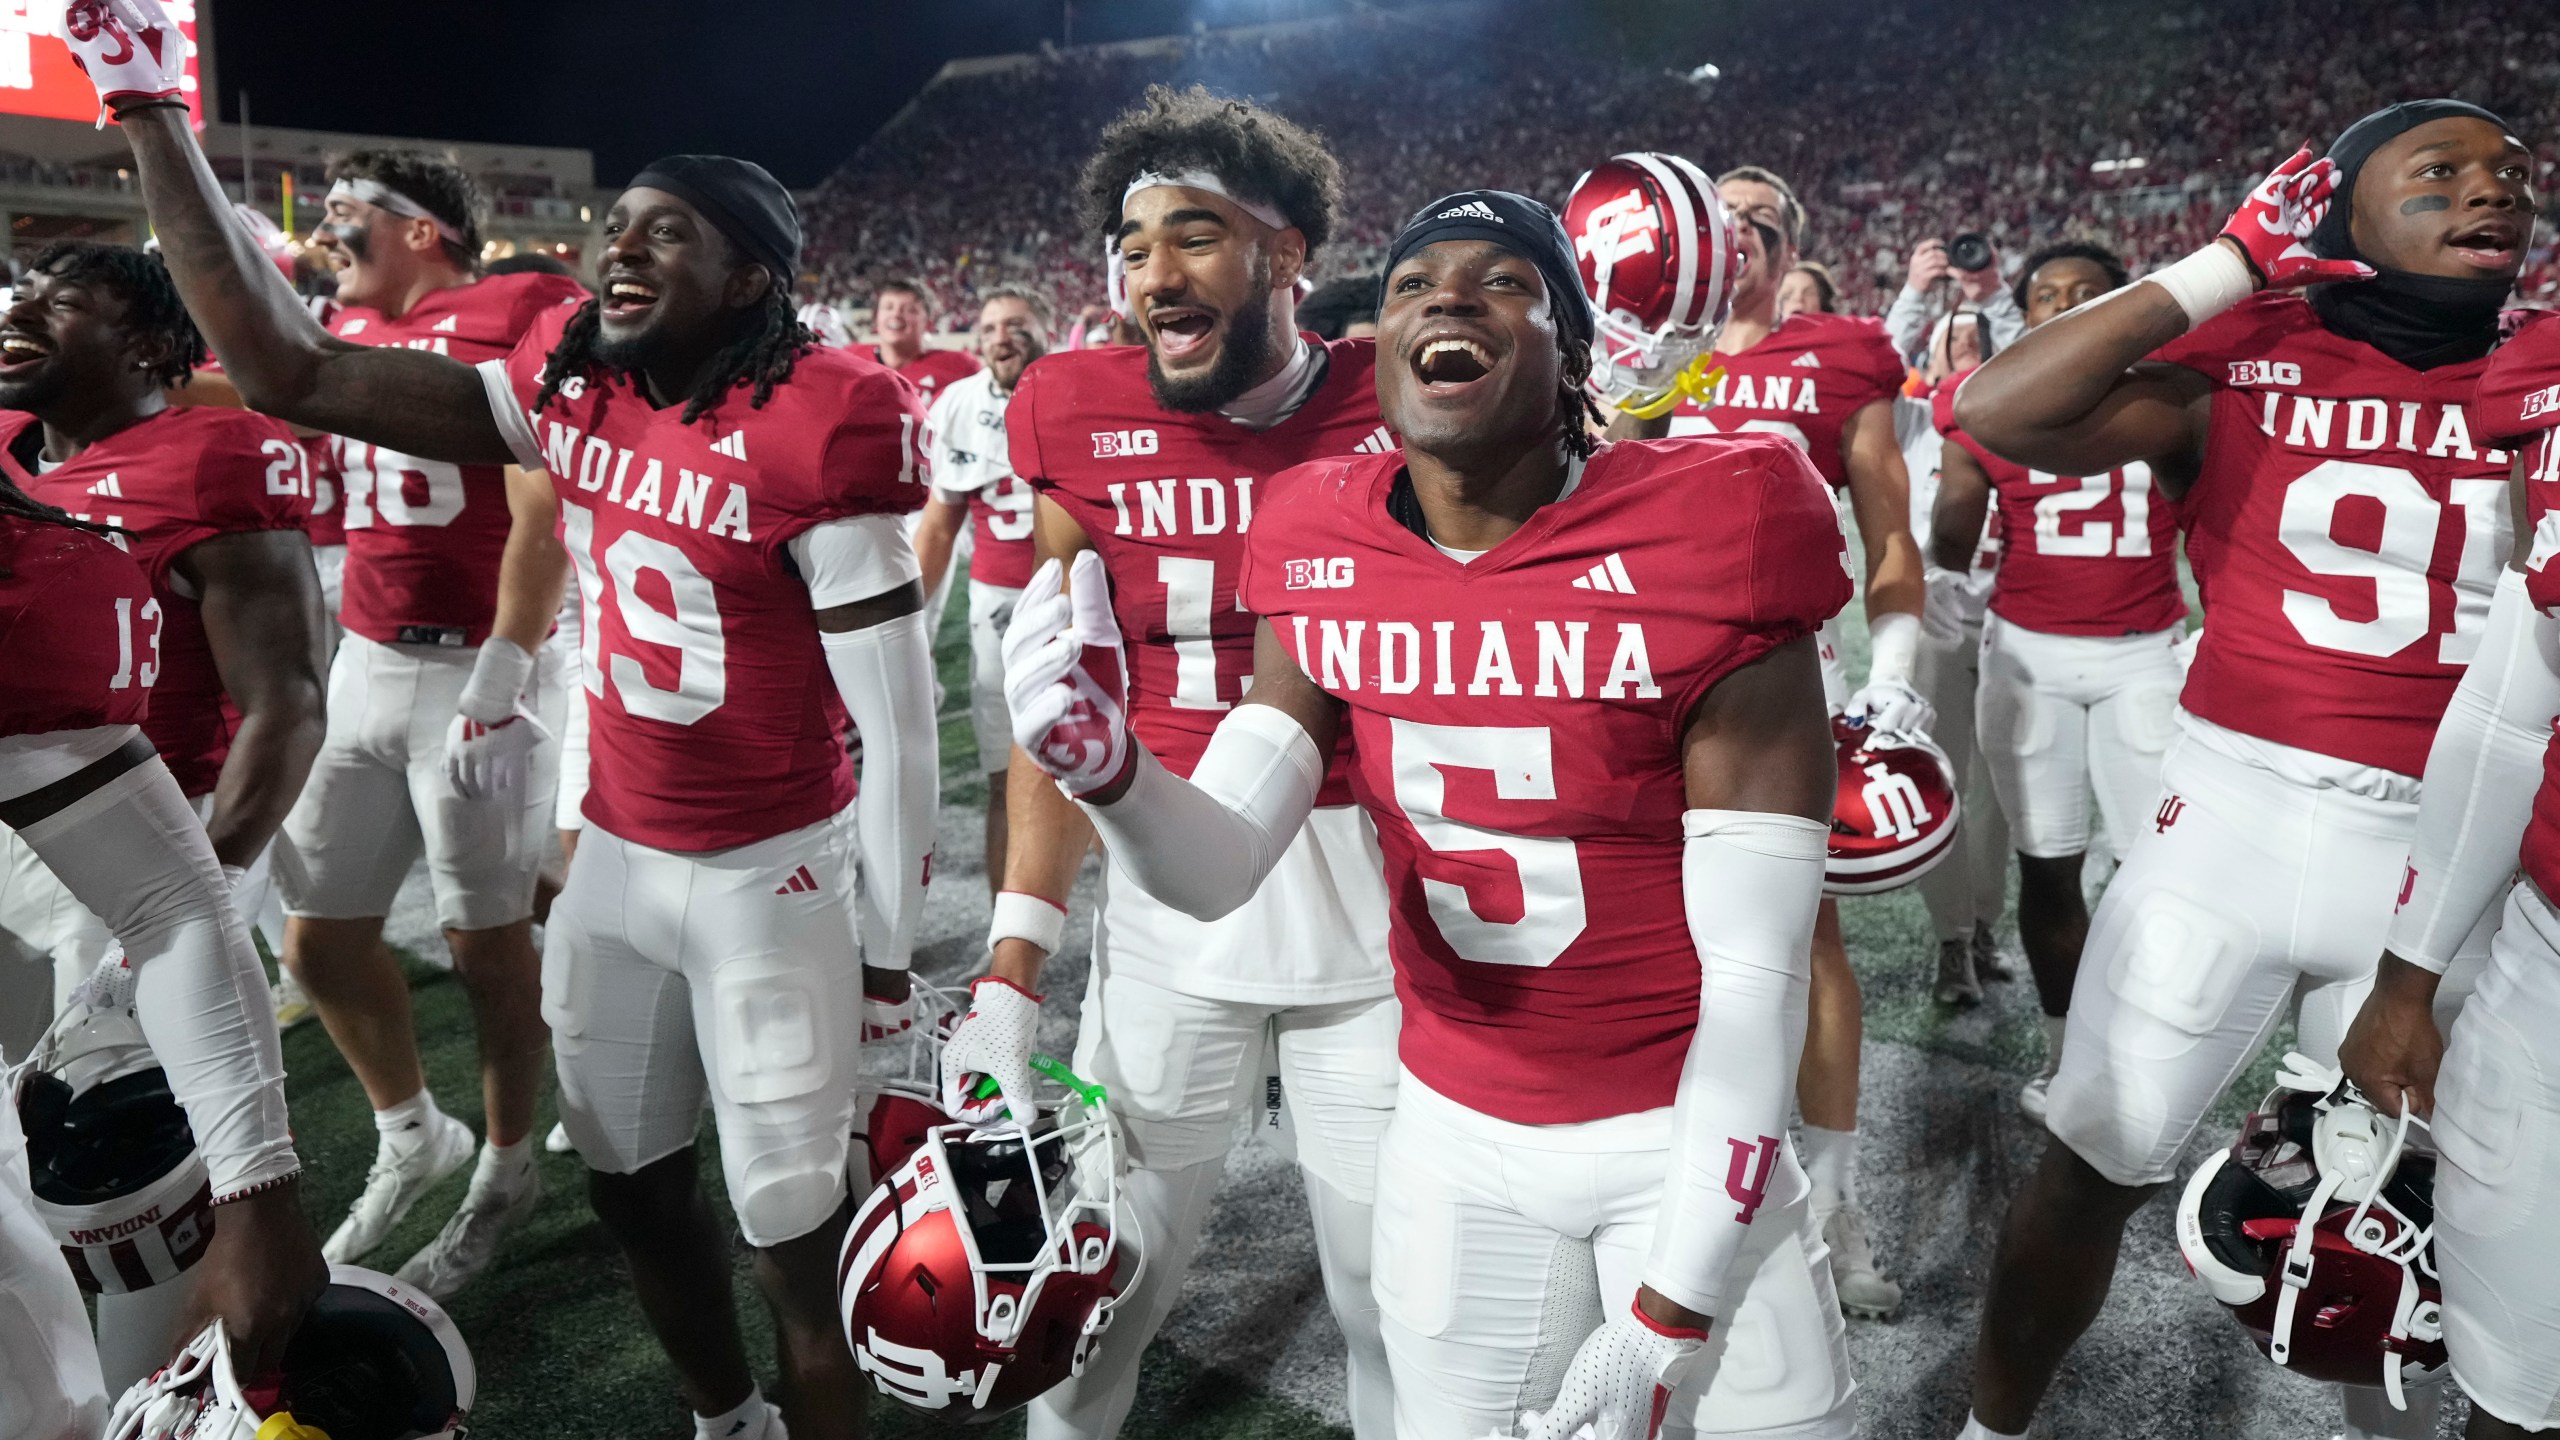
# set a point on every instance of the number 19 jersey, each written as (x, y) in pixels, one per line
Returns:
(1517, 725)
(1167, 500)
(2346, 531)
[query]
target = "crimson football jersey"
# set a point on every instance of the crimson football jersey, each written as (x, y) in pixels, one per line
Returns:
(2519, 403)
(1516, 727)
(2345, 531)
(183, 476)
(1167, 500)
(328, 522)
(2087, 555)
(712, 716)
(424, 537)
(1803, 381)
(79, 630)
(932, 370)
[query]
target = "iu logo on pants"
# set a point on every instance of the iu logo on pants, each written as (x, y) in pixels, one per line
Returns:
(2170, 809)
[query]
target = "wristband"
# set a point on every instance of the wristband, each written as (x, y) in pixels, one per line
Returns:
(260, 1187)
(1893, 648)
(1021, 915)
(2207, 283)
(498, 677)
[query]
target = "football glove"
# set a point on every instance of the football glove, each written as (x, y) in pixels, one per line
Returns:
(129, 49)
(2273, 224)
(491, 738)
(1942, 617)
(991, 1040)
(884, 1019)
(1892, 707)
(1620, 1382)
(1066, 678)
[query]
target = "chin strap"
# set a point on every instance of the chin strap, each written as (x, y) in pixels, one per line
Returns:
(1697, 380)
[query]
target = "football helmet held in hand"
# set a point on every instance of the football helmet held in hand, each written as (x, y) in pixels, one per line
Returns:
(1659, 258)
(1896, 814)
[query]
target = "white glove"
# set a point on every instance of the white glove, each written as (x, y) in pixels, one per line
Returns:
(1891, 707)
(492, 736)
(129, 49)
(1620, 1382)
(1066, 678)
(884, 1019)
(993, 1038)
(1942, 617)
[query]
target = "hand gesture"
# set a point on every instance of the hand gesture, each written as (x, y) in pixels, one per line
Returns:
(1066, 678)
(2272, 226)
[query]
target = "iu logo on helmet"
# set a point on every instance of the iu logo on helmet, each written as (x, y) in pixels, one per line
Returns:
(2170, 809)
(918, 1376)
(1898, 808)
(1619, 228)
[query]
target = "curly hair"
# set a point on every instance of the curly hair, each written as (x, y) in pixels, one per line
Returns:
(2098, 255)
(152, 309)
(763, 356)
(1263, 156)
(437, 182)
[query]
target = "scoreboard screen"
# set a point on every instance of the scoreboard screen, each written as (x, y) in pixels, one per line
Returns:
(37, 76)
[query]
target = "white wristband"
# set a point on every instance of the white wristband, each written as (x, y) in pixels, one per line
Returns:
(1021, 915)
(498, 677)
(2207, 283)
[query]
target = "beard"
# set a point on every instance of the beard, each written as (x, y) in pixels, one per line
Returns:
(628, 356)
(1242, 356)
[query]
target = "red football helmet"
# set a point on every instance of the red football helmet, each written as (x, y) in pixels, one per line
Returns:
(1897, 811)
(1658, 258)
(977, 1274)
(2318, 1230)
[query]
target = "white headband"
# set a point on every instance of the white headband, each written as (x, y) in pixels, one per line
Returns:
(1117, 278)
(375, 193)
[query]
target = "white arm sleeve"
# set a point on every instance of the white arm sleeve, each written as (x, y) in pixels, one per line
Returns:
(885, 674)
(854, 558)
(1202, 845)
(133, 851)
(513, 423)
(1751, 883)
(2482, 773)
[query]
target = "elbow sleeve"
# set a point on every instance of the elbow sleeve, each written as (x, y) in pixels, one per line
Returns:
(1751, 883)
(884, 673)
(2482, 773)
(1203, 845)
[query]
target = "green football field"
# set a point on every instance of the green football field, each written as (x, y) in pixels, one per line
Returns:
(1250, 1352)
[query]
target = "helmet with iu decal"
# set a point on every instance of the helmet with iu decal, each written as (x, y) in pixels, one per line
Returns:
(1658, 257)
(1896, 814)
(977, 1274)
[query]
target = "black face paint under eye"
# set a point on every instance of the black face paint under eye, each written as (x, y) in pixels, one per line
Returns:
(351, 236)
(2421, 204)
(1768, 236)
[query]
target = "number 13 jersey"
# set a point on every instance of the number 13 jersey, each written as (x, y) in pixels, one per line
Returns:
(2346, 532)
(1517, 725)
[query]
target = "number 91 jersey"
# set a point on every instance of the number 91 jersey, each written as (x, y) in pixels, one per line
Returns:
(2346, 531)
(1167, 499)
(1517, 725)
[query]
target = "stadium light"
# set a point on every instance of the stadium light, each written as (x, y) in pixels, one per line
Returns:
(2110, 167)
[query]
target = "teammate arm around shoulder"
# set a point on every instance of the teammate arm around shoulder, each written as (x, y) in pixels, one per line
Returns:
(276, 354)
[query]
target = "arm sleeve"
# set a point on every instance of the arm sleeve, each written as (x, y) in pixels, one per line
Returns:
(133, 852)
(512, 421)
(1750, 883)
(1202, 845)
(2482, 773)
(855, 558)
(1906, 323)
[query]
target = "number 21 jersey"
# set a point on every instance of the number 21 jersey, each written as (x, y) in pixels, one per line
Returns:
(2346, 531)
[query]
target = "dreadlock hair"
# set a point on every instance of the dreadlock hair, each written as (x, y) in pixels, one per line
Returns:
(763, 355)
(152, 309)
(436, 182)
(2098, 255)
(17, 504)
(1576, 412)
(1266, 157)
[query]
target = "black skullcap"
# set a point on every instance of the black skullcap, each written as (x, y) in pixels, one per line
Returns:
(2332, 240)
(1517, 224)
(741, 199)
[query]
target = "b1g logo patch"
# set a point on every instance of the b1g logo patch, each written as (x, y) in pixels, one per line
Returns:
(1333, 574)
(2265, 372)
(1111, 444)
(2542, 402)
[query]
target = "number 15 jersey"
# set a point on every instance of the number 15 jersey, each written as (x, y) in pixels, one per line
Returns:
(2346, 532)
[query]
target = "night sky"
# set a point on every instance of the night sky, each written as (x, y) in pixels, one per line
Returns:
(792, 84)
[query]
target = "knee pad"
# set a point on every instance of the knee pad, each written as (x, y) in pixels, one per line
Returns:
(782, 1194)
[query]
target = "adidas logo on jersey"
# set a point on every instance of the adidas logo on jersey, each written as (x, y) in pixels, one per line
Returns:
(1609, 576)
(1472, 210)
(1807, 361)
(733, 445)
(800, 883)
(1380, 441)
(448, 325)
(109, 486)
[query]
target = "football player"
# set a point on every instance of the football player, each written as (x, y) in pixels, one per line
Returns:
(731, 496)
(1603, 815)
(1826, 383)
(2301, 386)
(425, 656)
(901, 317)
(2492, 794)
(1156, 459)
(974, 484)
(85, 791)
(2080, 668)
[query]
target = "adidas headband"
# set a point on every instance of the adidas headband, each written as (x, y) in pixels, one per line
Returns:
(381, 196)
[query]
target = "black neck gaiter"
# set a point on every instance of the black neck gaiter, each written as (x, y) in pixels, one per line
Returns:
(2422, 321)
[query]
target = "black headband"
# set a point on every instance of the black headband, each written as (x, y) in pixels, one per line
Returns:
(2333, 239)
(1517, 224)
(741, 200)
